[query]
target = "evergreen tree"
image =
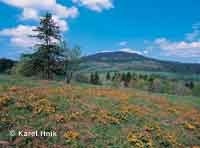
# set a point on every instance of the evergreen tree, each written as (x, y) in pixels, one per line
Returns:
(123, 77)
(145, 77)
(189, 84)
(114, 76)
(96, 78)
(134, 76)
(6, 64)
(151, 79)
(92, 78)
(128, 77)
(108, 76)
(48, 52)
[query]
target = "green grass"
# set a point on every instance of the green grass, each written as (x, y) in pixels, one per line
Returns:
(102, 116)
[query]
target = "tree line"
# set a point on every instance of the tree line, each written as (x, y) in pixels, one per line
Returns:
(151, 83)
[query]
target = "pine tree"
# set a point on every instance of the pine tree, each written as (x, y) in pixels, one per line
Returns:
(92, 78)
(134, 76)
(114, 76)
(189, 85)
(96, 78)
(128, 77)
(48, 51)
(108, 77)
(123, 77)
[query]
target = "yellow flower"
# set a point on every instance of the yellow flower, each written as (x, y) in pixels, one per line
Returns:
(106, 117)
(149, 144)
(132, 138)
(139, 144)
(75, 116)
(189, 126)
(4, 100)
(43, 105)
(71, 135)
(173, 110)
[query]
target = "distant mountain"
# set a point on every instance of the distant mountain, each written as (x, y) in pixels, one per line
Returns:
(118, 61)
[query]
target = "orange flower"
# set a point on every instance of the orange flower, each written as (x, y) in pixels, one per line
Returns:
(43, 105)
(4, 99)
(71, 135)
(105, 117)
(75, 116)
(132, 138)
(189, 126)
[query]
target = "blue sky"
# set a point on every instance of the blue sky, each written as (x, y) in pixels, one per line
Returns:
(168, 30)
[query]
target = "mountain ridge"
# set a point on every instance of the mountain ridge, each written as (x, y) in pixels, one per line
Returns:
(120, 60)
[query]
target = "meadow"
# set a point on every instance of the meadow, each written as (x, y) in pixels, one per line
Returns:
(90, 116)
(60, 88)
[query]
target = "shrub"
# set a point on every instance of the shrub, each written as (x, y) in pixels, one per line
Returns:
(155, 86)
(82, 78)
(180, 89)
(196, 90)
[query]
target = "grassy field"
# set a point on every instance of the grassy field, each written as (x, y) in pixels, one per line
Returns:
(87, 116)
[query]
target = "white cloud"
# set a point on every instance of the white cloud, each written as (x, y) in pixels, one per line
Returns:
(30, 13)
(123, 43)
(20, 36)
(44, 5)
(180, 49)
(195, 34)
(187, 48)
(105, 51)
(33, 8)
(169, 45)
(61, 23)
(129, 50)
(145, 51)
(20, 30)
(64, 12)
(30, 3)
(25, 42)
(96, 5)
